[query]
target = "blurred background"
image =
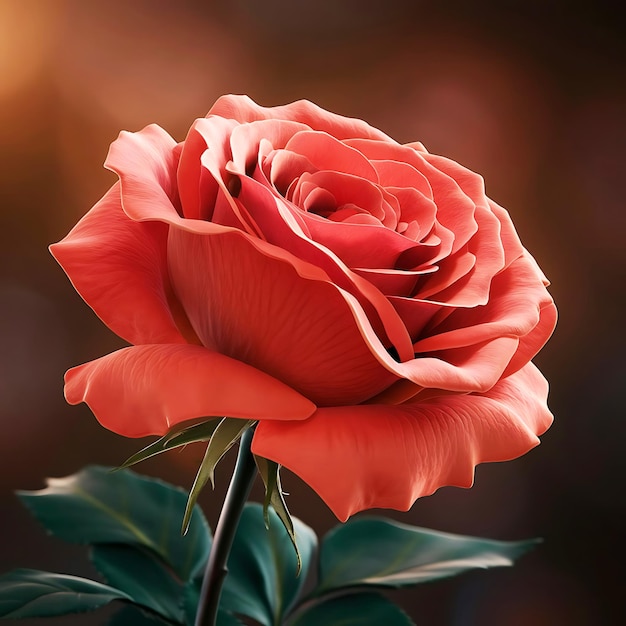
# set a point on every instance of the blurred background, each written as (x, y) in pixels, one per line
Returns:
(529, 94)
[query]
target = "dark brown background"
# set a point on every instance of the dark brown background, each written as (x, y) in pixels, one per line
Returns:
(529, 94)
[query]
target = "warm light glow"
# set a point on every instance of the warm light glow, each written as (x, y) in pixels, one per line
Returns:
(27, 32)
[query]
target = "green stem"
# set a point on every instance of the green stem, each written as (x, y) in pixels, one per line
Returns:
(216, 570)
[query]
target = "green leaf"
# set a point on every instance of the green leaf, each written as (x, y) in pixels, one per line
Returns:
(227, 433)
(363, 609)
(192, 595)
(142, 576)
(181, 435)
(226, 619)
(31, 593)
(270, 473)
(380, 552)
(262, 581)
(134, 616)
(98, 506)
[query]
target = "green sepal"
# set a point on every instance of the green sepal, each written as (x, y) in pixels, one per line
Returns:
(270, 473)
(363, 609)
(32, 593)
(226, 434)
(181, 435)
(96, 506)
(383, 553)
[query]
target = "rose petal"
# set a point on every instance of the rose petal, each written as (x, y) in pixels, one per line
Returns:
(198, 189)
(475, 368)
(148, 157)
(346, 189)
(450, 271)
(282, 168)
(275, 315)
(470, 182)
(276, 220)
(133, 149)
(397, 174)
(416, 145)
(145, 390)
(391, 209)
(531, 343)
(392, 282)
(359, 245)
(388, 456)
(510, 240)
(129, 289)
(328, 153)
(516, 300)
(455, 209)
(471, 288)
(243, 109)
(386, 151)
(246, 138)
(353, 214)
(415, 208)
(140, 160)
(415, 314)
(146, 163)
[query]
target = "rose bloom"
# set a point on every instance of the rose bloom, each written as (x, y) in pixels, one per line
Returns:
(364, 300)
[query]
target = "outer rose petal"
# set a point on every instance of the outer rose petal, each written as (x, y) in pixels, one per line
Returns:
(146, 163)
(380, 456)
(142, 161)
(264, 311)
(531, 343)
(118, 266)
(243, 109)
(145, 390)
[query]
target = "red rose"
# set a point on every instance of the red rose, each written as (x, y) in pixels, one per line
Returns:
(364, 300)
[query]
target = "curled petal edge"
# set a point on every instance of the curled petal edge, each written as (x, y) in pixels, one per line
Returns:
(381, 456)
(146, 390)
